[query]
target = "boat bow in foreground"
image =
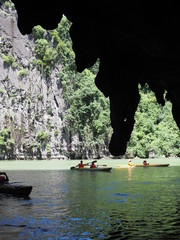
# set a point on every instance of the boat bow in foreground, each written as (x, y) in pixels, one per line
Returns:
(16, 190)
(13, 188)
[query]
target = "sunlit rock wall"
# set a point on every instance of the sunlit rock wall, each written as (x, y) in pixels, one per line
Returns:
(29, 101)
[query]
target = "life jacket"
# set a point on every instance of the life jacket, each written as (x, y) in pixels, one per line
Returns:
(2, 179)
(93, 166)
(81, 165)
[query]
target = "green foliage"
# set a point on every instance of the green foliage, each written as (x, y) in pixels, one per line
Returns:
(55, 36)
(63, 31)
(10, 144)
(5, 134)
(47, 52)
(56, 133)
(7, 4)
(46, 55)
(23, 72)
(40, 47)
(154, 129)
(49, 111)
(9, 60)
(38, 32)
(43, 138)
(6, 144)
(50, 56)
(38, 63)
(88, 110)
(2, 91)
(29, 101)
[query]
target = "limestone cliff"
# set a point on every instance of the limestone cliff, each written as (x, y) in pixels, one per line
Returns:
(30, 102)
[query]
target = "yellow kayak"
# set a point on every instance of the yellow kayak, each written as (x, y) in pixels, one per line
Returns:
(149, 165)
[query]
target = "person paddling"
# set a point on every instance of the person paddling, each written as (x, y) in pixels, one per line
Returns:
(81, 164)
(129, 162)
(93, 165)
(145, 162)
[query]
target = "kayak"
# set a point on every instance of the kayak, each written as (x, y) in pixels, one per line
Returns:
(148, 165)
(98, 169)
(15, 189)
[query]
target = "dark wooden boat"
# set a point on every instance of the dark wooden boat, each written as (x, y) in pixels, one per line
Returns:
(88, 169)
(15, 189)
(149, 165)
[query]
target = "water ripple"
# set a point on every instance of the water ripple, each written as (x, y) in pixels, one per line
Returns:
(74, 206)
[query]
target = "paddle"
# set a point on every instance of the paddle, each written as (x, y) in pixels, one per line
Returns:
(15, 182)
(104, 165)
(90, 162)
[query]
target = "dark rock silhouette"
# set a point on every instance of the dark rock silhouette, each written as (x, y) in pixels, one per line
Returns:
(136, 42)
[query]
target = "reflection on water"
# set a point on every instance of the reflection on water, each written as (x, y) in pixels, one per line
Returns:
(124, 204)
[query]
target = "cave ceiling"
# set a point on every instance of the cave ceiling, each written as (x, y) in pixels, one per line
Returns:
(137, 42)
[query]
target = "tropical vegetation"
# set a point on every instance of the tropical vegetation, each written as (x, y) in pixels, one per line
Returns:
(88, 110)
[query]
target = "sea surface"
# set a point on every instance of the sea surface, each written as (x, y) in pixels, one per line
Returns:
(126, 203)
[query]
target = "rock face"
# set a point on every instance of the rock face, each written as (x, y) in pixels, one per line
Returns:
(137, 41)
(30, 103)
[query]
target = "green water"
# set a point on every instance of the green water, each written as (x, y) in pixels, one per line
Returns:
(66, 164)
(127, 203)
